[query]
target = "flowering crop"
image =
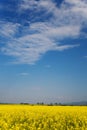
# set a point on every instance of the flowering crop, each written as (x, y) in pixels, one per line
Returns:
(25, 117)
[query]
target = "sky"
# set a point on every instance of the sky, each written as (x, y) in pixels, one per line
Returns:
(43, 51)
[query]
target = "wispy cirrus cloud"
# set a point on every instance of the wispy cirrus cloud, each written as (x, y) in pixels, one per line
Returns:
(38, 5)
(8, 29)
(28, 43)
(29, 48)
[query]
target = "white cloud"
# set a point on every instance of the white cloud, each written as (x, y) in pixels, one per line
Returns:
(33, 4)
(28, 49)
(28, 4)
(53, 31)
(24, 74)
(65, 47)
(8, 29)
(78, 8)
(39, 37)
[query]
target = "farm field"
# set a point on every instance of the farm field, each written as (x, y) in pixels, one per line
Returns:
(26, 117)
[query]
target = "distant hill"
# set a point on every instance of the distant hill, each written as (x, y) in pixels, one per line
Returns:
(81, 103)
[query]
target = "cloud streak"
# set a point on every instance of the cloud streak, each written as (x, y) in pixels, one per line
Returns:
(24, 74)
(28, 45)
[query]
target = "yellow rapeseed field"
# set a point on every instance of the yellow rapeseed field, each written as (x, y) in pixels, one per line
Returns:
(26, 117)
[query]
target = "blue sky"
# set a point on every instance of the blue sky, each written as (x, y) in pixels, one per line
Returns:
(43, 50)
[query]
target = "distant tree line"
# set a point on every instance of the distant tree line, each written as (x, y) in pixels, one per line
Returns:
(58, 104)
(83, 103)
